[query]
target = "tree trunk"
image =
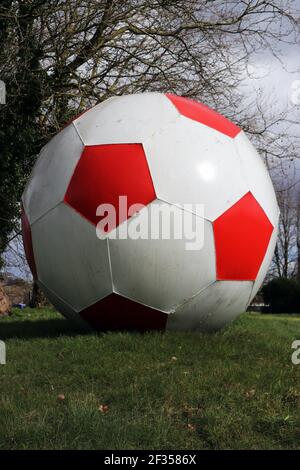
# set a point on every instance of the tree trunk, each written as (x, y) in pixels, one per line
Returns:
(36, 296)
(298, 244)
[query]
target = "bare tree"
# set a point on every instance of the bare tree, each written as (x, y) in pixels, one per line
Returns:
(14, 257)
(89, 50)
(61, 56)
(298, 238)
(287, 253)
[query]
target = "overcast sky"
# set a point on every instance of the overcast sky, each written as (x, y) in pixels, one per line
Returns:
(280, 81)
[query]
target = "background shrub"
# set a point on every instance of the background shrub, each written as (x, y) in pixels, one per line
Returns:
(282, 296)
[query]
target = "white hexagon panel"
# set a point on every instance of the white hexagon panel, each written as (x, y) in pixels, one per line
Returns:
(150, 212)
(213, 307)
(162, 263)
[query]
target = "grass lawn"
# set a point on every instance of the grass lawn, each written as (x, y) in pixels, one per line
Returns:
(236, 389)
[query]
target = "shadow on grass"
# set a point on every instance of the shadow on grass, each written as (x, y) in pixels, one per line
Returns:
(40, 329)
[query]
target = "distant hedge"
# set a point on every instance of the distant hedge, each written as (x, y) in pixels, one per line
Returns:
(282, 296)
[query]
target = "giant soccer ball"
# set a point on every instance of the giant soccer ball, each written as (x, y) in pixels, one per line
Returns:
(156, 150)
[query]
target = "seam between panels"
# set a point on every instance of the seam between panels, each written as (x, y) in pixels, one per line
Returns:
(274, 233)
(215, 131)
(45, 213)
(215, 249)
(252, 289)
(63, 202)
(116, 292)
(78, 133)
(241, 164)
(149, 170)
(142, 303)
(206, 220)
(203, 289)
(56, 295)
(176, 307)
(245, 174)
(181, 208)
(241, 281)
(169, 102)
(110, 268)
(158, 198)
(66, 203)
(111, 291)
(173, 310)
(77, 163)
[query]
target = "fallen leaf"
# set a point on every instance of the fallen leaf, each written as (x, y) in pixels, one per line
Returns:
(250, 393)
(191, 427)
(103, 408)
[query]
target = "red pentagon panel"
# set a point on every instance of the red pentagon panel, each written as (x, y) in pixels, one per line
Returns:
(202, 113)
(242, 236)
(27, 242)
(105, 172)
(115, 312)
